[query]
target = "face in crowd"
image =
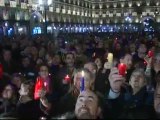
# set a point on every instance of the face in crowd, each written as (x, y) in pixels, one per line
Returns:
(156, 63)
(44, 71)
(92, 67)
(70, 60)
(26, 89)
(56, 60)
(88, 79)
(7, 55)
(8, 92)
(26, 62)
(127, 60)
(132, 47)
(23, 90)
(137, 80)
(17, 79)
(98, 62)
(87, 106)
(142, 51)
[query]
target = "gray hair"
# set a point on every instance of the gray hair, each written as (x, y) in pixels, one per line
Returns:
(141, 72)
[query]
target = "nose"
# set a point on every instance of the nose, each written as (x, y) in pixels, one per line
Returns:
(84, 105)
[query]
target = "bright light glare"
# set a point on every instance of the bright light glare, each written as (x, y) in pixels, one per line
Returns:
(40, 2)
(49, 2)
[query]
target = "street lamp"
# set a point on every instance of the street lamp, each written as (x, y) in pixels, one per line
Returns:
(45, 3)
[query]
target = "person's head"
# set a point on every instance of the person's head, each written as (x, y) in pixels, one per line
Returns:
(98, 62)
(43, 71)
(27, 89)
(88, 79)
(87, 106)
(78, 49)
(70, 59)
(100, 44)
(49, 59)
(142, 49)
(56, 59)
(42, 52)
(157, 98)
(138, 79)
(7, 55)
(17, 79)
(126, 59)
(156, 63)
(26, 61)
(34, 51)
(9, 92)
(91, 66)
(132, 47)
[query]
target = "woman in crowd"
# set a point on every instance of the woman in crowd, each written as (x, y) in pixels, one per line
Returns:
(27, 107)
(8, 101)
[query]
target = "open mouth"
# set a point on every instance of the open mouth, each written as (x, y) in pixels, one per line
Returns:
(84, 110)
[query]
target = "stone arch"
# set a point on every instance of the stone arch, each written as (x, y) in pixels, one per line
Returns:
(147, 17)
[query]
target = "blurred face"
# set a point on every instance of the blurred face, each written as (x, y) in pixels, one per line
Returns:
(34, 51)
(56, 60)
(132, 48)
(90, 68)
(42, 52)
(100, 44)
(44, 71)
(26, 62)
(7, 55)
(49, 60)
(23, 90)
(70, 60)
(78, 49)
(137, 80)
(77, 81)
(127, 60)
(156, 64)
(7, 92)
(98, 62)
(87, 106)
(16, 81)
(118, 46)
(157, 99)
(142, 51)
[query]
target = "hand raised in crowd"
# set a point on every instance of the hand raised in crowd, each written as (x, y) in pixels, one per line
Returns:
(148, 61)
(42, 93)
(116, 80)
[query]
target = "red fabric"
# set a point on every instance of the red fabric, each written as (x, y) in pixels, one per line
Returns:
(38, 86)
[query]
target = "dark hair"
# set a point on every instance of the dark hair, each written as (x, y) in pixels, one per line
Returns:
(43, 64)
(13, 100)
(69, 53)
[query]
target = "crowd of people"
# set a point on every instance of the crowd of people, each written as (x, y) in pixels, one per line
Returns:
(79, 81)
